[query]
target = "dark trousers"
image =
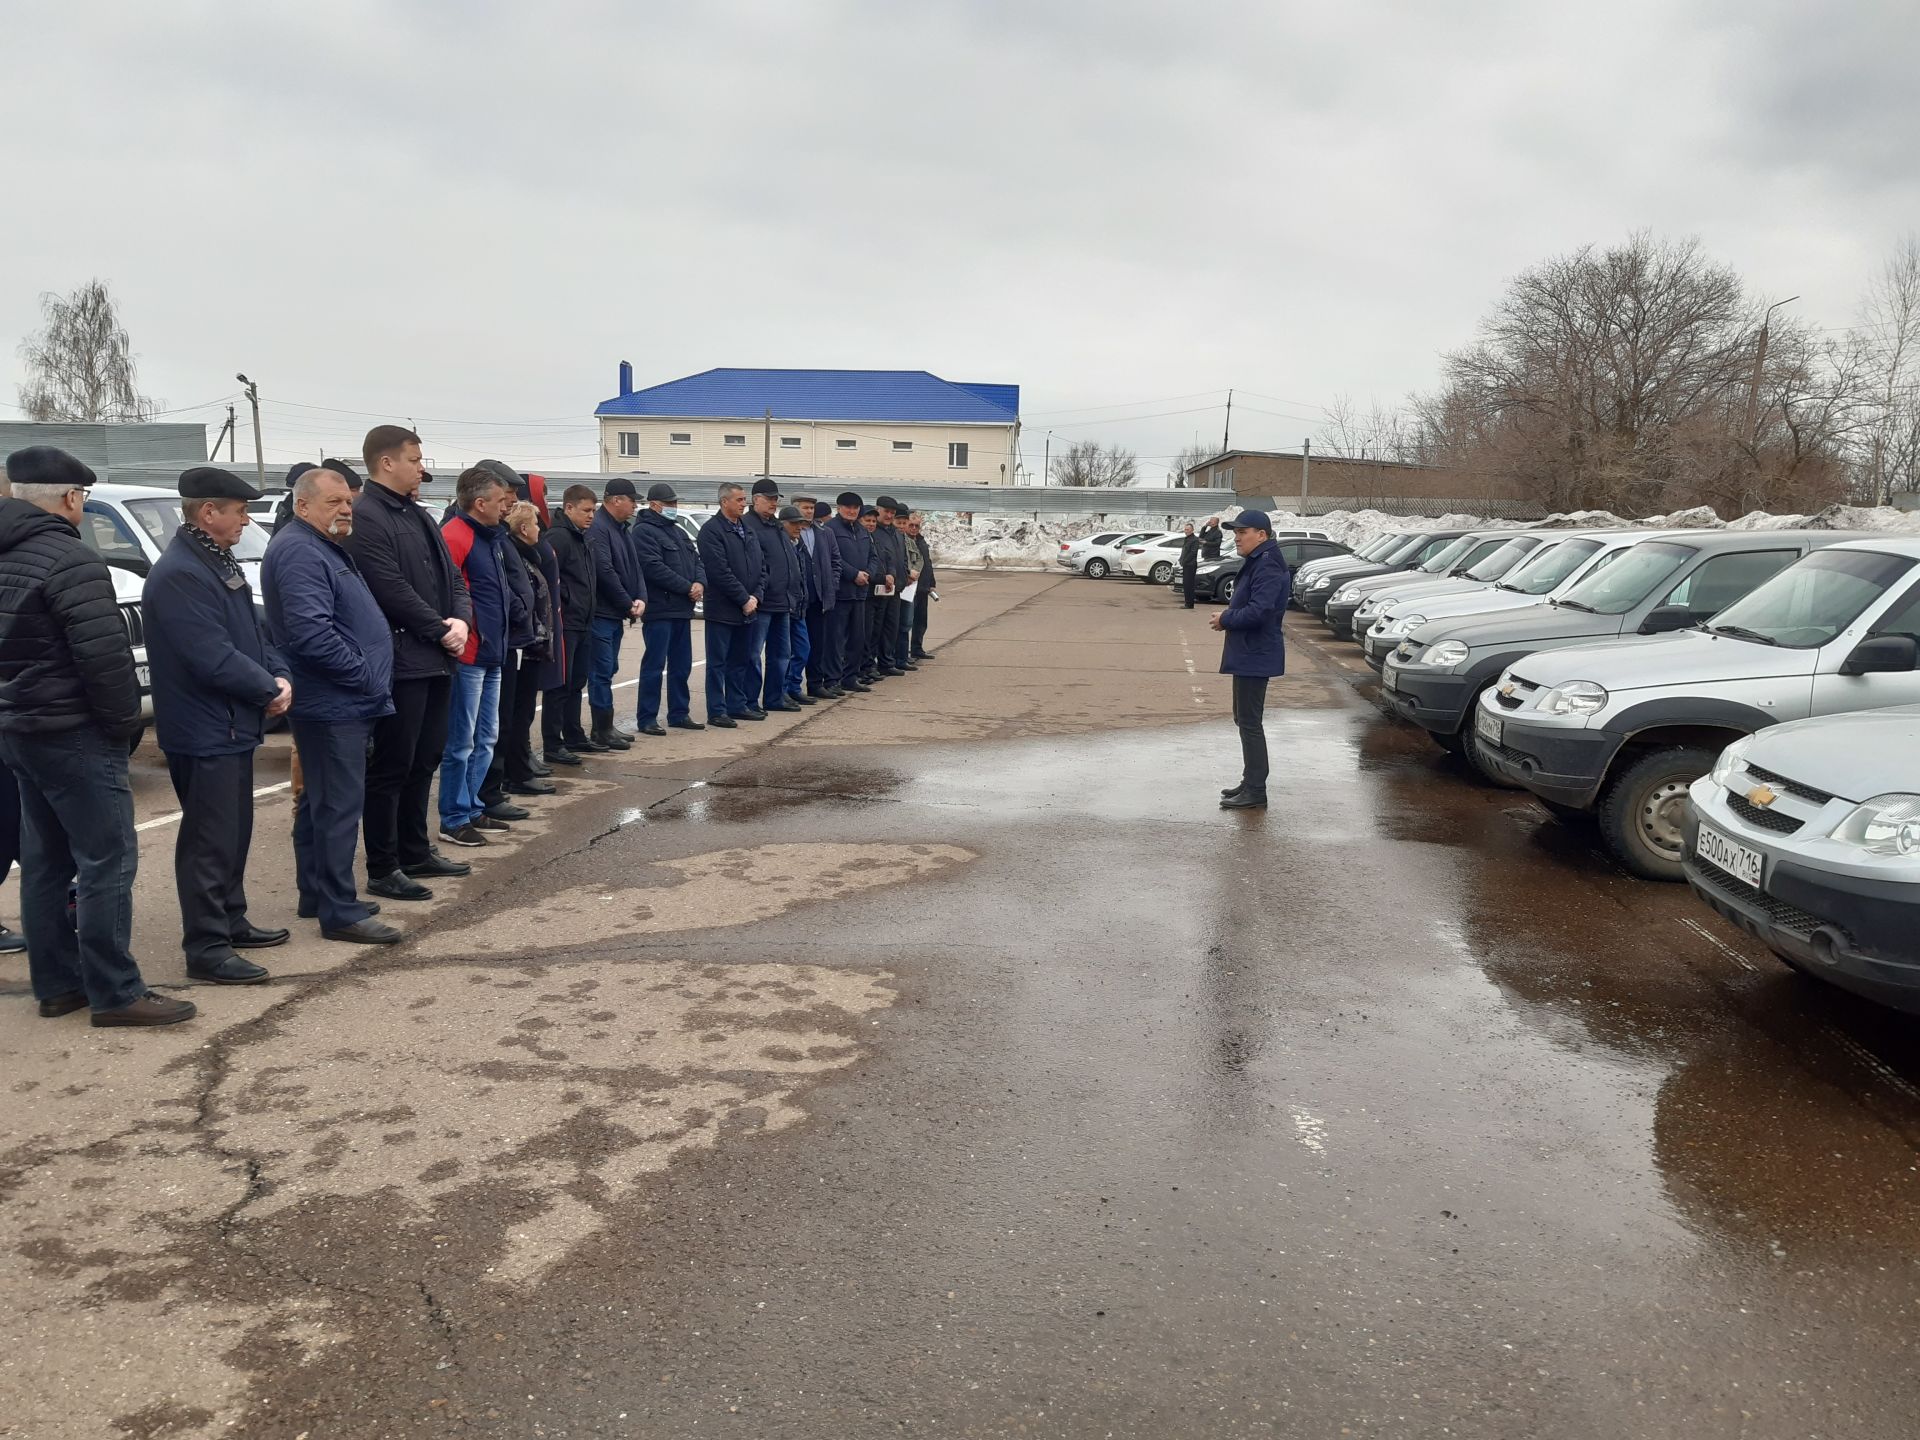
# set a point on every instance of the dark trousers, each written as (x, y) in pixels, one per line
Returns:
(1186, 584)
(515, 753)
(400, 771)
(726, 692)
(823, 655)
(903, 632)
(666, 662)
(853, 649)
(1249, 709)
(210, 851)
(767, 679)
(799, 649)
(76, 814)
(882, 620)
(922, 601)
(560, 707)
(333, 757)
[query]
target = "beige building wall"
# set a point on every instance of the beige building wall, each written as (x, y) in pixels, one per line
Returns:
(840, 450)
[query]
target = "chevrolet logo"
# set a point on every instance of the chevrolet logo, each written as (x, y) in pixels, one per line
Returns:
(1507, 689)
(1761, 795)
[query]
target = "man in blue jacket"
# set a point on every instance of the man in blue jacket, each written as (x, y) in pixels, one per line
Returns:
(735, 570)
(807, 671)
(670, 565)
(216, 681)
(620, 597)
(847, 627)
(782, 591)
(1255, 649)
(339, 653)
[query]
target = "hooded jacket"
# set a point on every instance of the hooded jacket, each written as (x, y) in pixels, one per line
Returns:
(670, 563)
(65, 657)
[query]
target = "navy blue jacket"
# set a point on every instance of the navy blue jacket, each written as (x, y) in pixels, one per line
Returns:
(736, 570)
(335, 638)
(823, 585)
(616, 567)
(499, 613)
(784, 583)
(670, 562)
(856, 554)
(213, 669)
(1255, 643)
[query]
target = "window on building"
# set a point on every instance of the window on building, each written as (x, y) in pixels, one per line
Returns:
(903, 447)
(680, 437)
(629, 442)
(843, 444)
(957, 455)
(735, 440)
(1226, 477)
(789, 442)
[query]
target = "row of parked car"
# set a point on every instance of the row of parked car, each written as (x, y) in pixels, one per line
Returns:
(1736, 709)
(1154, 556)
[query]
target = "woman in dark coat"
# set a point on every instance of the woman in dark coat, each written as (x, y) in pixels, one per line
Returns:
(538, 667)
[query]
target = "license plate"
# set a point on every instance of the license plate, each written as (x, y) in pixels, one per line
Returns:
(1390, 677)
(1737, 860)
(1490, 728)
(141, 674)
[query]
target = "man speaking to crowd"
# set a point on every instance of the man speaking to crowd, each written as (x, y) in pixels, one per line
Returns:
(1255, 649)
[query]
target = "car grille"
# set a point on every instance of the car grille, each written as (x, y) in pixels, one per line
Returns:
(1792, 787)
(1760, 816)
(136, 627)
(1522, 691)
(1787, 917)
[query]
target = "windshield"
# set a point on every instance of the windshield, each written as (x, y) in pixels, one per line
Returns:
(1629, 580)
(1379, 545)
(1550, 567)
(1809, 603)
(1409, 547)
(1445, 559)
(160, 518)
(1492, 564)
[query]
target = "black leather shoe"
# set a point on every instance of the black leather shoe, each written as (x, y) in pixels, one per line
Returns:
(586, 745)
(723, 722)
(537, 768)
(312, 912)
(909, 665)
(62, 1005)
(756, 713)
(860, 685)
(1245, 800)
(532, 787)
(397, 886)
(254, 938)
(231, 970)
(891, 670)
(1235, 790)
(149, 1009)
(436, 865)
(923, 654)
(797, 698)
(561, 757)
(651, 730)
(12, 942)
(783, 705)
(506, 810)
(365, 932)
(688, 724)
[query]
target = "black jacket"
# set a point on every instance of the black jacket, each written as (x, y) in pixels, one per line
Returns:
(783, 583)
(616, 568)
(856, 554)
(401, 556)
(1210, 542)
(670, 564)
(736, 570)
(1189, 551)
(577, 590)
(890, 551)
(213, 669)
(65, 658)
(521, 602)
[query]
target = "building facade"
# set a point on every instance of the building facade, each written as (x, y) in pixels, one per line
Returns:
(1338, 482)
(829, 424)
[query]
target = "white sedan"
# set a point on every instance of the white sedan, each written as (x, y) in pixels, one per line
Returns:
(1100, 561)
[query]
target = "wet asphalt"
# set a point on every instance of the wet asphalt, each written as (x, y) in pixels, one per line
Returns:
(1080, 1108)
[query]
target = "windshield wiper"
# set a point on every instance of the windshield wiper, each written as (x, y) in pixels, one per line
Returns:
(1576, 605)
(1740, 632)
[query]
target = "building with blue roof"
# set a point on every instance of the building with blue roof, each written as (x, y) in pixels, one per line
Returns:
(833, 424)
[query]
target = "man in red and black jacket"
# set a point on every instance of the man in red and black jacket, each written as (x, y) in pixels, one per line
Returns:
(478, 544)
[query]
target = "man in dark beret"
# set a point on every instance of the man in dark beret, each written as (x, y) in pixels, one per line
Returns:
(846, 632)
(216, 681)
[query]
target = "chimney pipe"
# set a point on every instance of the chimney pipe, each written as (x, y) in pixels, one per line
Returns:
(626, 378)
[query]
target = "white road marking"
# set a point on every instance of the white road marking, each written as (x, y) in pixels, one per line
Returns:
(1311, 1131)
(1720, 945)
(1186, 654)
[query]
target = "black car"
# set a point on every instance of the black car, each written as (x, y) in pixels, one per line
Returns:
(1214, 579)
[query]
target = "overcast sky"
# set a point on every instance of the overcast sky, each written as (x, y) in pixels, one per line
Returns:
(473, 211)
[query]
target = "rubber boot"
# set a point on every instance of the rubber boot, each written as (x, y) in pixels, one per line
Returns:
(605, 734)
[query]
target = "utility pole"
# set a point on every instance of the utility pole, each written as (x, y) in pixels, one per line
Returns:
(1046, 465)
(1759, 362)
(1226, 436)
(1306, 458)
(766, 449)
(226, 431)
(233, 434)
(259, 451)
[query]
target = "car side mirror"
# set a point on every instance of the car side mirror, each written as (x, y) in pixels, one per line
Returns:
(1882, 654)
(1665, 619)
(137, 564)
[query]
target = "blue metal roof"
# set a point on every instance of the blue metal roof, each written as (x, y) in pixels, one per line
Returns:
(904, 396)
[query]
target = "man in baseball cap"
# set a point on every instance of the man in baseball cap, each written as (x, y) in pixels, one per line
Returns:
(1255, 649)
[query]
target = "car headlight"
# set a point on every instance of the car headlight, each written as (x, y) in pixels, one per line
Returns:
(1576, 697)
(1345, 595)
(1320, 582)
(1884, 825)
(1730, 761)
(1406, 624)
(1447, 653)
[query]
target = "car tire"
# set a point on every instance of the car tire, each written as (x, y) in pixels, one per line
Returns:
(1161, 573)
(1097, 569)
(1454, 744)
(1641, 809)
(1223, 592)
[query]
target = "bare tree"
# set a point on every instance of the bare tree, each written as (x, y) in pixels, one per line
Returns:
(1089, 463)
(1189, 460)
(1886, 348)
(80, 366)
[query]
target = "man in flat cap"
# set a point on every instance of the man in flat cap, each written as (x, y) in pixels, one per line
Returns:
(783, 591)
(69, 712)
(890, 552)
(620, 598)
(216, 681)
(670, 564)
(735, 569)
(847, 631)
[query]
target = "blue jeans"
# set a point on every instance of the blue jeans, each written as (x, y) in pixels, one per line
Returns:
(725, 645)
(743, 686)
(605, 662)
(802, 638)
(76, 828)
(473, 728)
(667, 653)
(770, 684)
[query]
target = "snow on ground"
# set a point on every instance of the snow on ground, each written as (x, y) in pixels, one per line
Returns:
(1009, 543)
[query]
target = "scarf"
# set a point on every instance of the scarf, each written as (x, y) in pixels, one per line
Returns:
(223, 557)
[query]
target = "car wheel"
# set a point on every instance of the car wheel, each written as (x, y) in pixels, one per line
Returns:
(1161, 573)
(1224, 590)
(1642, 811)
(1097, 569)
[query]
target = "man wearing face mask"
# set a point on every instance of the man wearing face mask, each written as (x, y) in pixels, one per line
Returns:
(670, 564)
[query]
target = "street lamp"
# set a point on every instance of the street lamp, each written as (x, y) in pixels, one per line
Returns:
(259, 453)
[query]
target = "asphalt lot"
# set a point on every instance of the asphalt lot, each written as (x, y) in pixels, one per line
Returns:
(944, 1061)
